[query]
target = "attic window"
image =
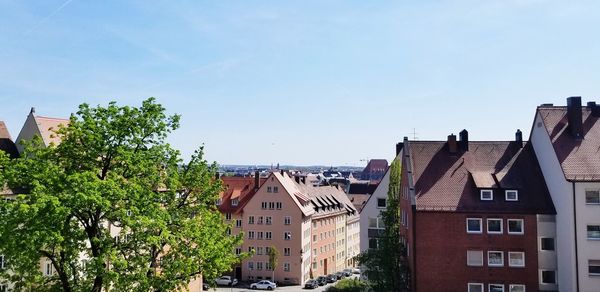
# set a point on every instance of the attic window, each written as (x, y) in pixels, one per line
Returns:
(487, 195)
(511, 195)
(234, 202)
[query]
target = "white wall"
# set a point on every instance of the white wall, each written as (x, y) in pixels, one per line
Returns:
(371, 210)
(546, 227)
(587, 249)
(561, 193)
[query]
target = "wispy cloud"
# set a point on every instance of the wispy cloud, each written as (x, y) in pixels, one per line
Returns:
(48, 17)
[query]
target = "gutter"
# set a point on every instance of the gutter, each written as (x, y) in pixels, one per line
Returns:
(576, 246)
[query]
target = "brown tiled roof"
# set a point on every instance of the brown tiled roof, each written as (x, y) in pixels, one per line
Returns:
(362, 188)
(579, 158)
(48, 126)
(358, 200)
(447, 182)
(6, 142)
(376, 165)
(241, 188)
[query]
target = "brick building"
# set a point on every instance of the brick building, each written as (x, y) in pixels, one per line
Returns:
(472, 215)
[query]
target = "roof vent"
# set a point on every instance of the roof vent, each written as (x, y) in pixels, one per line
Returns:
(452, 146)
(595, 108)
(574, 116)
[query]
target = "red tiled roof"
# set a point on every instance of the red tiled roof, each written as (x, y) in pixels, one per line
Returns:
(48, 127)
(447, 182)
(6, 142)
(579, 158)
(376, 165)
(241, 188)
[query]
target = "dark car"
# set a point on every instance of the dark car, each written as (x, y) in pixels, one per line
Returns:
(340, 275)
(331, 278)
(205, 286)
(347, 272)
(311, 284)
(322, 280)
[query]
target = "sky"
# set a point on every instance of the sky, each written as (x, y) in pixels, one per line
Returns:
(302, 82)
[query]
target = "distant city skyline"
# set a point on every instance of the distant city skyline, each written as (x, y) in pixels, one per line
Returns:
(307, 82)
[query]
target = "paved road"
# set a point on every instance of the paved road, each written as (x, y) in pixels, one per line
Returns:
(287, 288)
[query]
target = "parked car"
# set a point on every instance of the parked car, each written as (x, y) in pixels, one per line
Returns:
(205, 286)
(356, 271)
(340, 275)
(311, 284)
(331, 278)
(347, 272)
(322, 280)
(226, 281)
(263, 285)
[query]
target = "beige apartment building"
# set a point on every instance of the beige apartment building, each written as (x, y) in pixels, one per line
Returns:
(306, 224)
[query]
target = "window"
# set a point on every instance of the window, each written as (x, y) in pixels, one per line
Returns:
(473, 225)
(494, 226)
(548, 277)
(276, 189)
(128, 213)
(287, 235)
(259, 266)
(511, 195)
(592, 197)
(48, 268)
(287, 220)
(263, 205)
(515, 226)
(251, 220)
(487, 195)
(495, 258)
(381, 203)
(269, 189)
(2, 262)
(235, 202)
(594, 267)
(271, 205)
(372, 242)
(260, 235)
(475, 287)
(269, 220)
(250, 249)
(227, 216)
(286, 267)
(3, 288)
(496, 288)
(267, 249)
(238, 223)
(279, 205)
(547, 243)
(593, 232)
(268, 235)
(238, 250)
(516, 288)
(218, 202)
(250, 265)
(516, 259)
(259, 250)
(250, 234)
(260, 220)
(474, 258)
(315, 238)
(287, 251)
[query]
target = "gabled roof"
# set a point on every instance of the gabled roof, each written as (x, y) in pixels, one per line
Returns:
(327, 199)
(376, 165)
(48, 126)
(452, 182)
(302, 201)
(362, 188)
(240, 188)
(578, 158)
(6, 142)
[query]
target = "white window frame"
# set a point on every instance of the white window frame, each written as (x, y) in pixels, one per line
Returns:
(511, 286)
(268, 220)
(479, 264)
(235, 202)
(275, 189)
(516, 252)
(250, 219)
(587, 235)
(490, 286)
(269, 189)
(250, 266)
(286, 237)
(487, 225)
(268, 235)
(488, 258)
(475, 284)
(251, 234)
(48, 268)
(593, 190)
(516, 192)
(513, 232)
(238, 250)
(491, 198)
(286, 267)
(238, 223)
(287, 220)
(287, 251)
(480, 225)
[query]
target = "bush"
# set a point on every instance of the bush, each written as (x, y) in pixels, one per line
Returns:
(349, 285)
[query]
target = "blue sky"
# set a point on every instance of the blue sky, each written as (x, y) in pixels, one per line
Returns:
(302, 82)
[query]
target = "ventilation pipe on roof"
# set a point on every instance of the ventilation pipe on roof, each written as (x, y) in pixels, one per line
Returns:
(281, 171)
(399, 147)
(574, 116)
(297, 179)
(452, 147)
(595, 108)
(256, 180)
(519, 138)
(464, 140)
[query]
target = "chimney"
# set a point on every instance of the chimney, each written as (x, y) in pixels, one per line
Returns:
(452, 147)
(297, 178)
(217, 175)
(464, 140)
(399, 147)
(574, 116)
(594, 108)
(519, 138)
(256, 180)
(281, 171)
(303, 179)
(32, 111)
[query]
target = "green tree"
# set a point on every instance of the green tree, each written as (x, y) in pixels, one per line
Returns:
(273, 259)
(387, 269)
(113, 207)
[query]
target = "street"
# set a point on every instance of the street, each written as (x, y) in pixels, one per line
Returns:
(286, 288)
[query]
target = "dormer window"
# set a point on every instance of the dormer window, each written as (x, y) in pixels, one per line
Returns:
(487, 195)
(511, 195)
(235, 202)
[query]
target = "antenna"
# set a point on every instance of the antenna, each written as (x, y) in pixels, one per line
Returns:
(414, 134)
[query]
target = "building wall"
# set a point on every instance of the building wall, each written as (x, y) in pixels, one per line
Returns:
(277, 228)
(29, 130)
(546, 226)
(352, 240)
(441, 253)
(323, 229)
(340, 242)
(562, 197)
(586, 249)
(370, 210)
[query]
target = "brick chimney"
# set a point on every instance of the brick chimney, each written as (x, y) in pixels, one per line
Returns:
(256, 180)
(452, 146)
(574, 116)
(464, 140)
(594, 108)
